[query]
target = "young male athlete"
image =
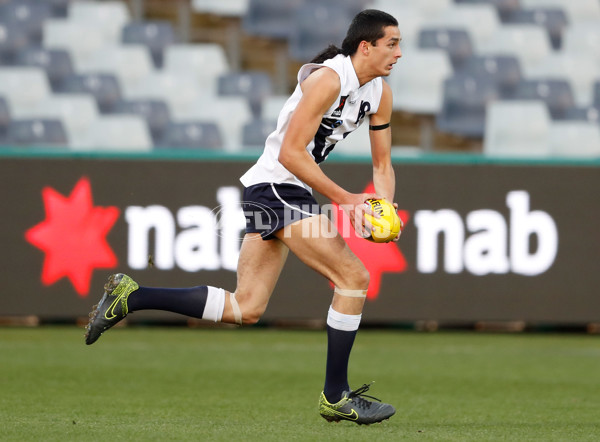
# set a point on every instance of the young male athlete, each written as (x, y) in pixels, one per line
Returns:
(336, 92)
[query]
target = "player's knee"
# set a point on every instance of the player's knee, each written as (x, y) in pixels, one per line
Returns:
(363, 279)
(357, 278)
(251, 311)
(251, 317)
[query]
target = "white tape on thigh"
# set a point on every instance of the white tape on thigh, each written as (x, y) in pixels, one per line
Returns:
(351, 293)
(237, 313)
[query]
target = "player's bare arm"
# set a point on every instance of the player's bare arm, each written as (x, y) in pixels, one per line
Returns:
(381, 147)
(319, 90)
(384, 177)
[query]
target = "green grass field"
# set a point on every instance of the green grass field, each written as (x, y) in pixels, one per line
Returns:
(263, 385)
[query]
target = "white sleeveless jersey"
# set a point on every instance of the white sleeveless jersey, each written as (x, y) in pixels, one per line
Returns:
(345, 115)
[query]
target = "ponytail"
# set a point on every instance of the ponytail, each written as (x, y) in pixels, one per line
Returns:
(330, 52)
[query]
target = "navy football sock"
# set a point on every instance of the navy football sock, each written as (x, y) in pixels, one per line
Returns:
(339, 345)
(186, 301)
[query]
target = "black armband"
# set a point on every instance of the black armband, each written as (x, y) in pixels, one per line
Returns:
(380, 127)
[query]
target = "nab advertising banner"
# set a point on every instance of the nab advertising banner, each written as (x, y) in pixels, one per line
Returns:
(482, 241)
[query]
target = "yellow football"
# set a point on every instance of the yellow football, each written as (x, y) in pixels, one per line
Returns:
(388, 225)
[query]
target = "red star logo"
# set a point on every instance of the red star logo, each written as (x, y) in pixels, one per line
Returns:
(73, 236)
(377, 258)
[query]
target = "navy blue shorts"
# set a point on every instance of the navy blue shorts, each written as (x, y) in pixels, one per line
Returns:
(269, 207)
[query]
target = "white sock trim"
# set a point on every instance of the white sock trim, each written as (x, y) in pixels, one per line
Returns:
(340, 321)
(215, 303)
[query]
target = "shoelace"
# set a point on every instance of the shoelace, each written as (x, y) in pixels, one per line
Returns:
(357, 397)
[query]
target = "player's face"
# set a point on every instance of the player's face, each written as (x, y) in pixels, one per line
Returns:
(387, 51)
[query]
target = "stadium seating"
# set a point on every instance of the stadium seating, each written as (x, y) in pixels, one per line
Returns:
(410, 21)
(505, 8)
(529, 43)
(554, 20)
(578, 11)
(13, 39)
(252, 85)
(272, 105)
(555, 93)
(574, 139)
(23, 88)
(480, 21)
(191, 135)
(128, 63)
(179, 90)
(117, 133)
(578, 69)
(37, 132)
(56, 62)
(105, 88)
(206, 62)
(456, 42)
(583, 39)
(59, 8)
(590, 114)
(66, 34)
(4, 120)
(27, 15)
(417, 80)
(226, 8)
(156, 35)
(464, 105)
(155, 112)
(517, 128)
(523, 48)
(429, 8)
(76, 111)
(109, 15)
(255, 132)
(229, 113)
(315, 27)
(503, 69)
(266, 18)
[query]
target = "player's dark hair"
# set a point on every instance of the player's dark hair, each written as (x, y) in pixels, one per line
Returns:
(367, 25)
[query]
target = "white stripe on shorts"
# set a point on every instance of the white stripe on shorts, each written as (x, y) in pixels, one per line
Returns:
(289, 205)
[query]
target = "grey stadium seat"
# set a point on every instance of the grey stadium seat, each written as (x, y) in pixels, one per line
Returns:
(196, 135)
(155, 112)
(29, 15)
(316, 26)
(590, 114)
(266, 18)
(58, 8)
(504, 7)
(464, 105)
(4, 119)
(252, 85)
(553, 19)
(556, 93)
(156, 35)
(37, 132)
(104, 87)
(256, 132)
(504, 69)
(456, 42)
(596, 98)
(56, 62)
(13, 39)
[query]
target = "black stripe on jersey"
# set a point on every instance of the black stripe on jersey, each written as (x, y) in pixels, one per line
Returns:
(326, 128)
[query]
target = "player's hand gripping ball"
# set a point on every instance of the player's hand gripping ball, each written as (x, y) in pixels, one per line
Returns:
(388, 226)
